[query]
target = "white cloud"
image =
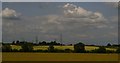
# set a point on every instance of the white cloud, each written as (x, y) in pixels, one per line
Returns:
(75, 22)
(10, 14)
(73, 11)
(80, 19)
(77, 14)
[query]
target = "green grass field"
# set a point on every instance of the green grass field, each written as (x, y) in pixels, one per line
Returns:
(88, 48)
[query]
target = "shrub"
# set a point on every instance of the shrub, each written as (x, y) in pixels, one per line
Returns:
(59, 51)
(110, 51)
(38, 51)
(108, 44)
(101, 50)
(27, 47)
(79, 48)
(118, 50)
(68, 50)
(6, 48)
(51, 48)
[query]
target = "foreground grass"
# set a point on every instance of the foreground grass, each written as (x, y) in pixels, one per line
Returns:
(13, 56)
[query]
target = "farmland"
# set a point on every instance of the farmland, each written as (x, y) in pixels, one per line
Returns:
(61, 56)
(61, 47)
(12, 56)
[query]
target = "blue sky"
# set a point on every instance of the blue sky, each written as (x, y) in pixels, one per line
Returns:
(91, 23)
(0, 23)
(60, 0)
(43, 8)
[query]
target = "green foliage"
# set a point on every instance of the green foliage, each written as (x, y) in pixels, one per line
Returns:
(100, 50)
(109, 44)
(68, 50)
(6, 48)
(27, 47)
(79, 48)
(110, 51)
(118, 50)
(51, 48)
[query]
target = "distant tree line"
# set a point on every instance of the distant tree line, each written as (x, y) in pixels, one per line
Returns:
(78, 48)
(39, 43)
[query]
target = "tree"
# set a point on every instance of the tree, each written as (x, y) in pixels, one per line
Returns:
(6, 48)
(44, 43)
(17, 42)
(118, 50)
(51, 48)
(101, 49)
(79, 48)
(27, 47)
(108, 44)
(13, 43)
(68, 50)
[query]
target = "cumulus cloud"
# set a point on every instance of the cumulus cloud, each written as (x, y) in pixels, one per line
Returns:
(51, 24)
(74, 19)
(10, 14)
(76, 23)
(77, 14)
(72, 10)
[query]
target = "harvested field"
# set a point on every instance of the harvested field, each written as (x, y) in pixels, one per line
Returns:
(13, 56)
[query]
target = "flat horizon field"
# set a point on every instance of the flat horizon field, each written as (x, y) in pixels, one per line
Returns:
(18, 56)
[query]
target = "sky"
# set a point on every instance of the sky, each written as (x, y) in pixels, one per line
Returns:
(0, 23)
(87, 22)
(60, 0)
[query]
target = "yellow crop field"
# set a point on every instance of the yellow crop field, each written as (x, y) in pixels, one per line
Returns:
(15, 47)
(60, 47)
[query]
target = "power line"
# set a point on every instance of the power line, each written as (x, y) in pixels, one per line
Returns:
(61, 38)
(36, 39)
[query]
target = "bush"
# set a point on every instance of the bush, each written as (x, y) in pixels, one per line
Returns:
(68, 50)
(38, 50)
(27, 47)
(6, 48)
(79, 48)
(101, 50)
(45, 50)
(110, 51)
(118, 50)
(51, 48)
(109, 45)
(59, 51)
